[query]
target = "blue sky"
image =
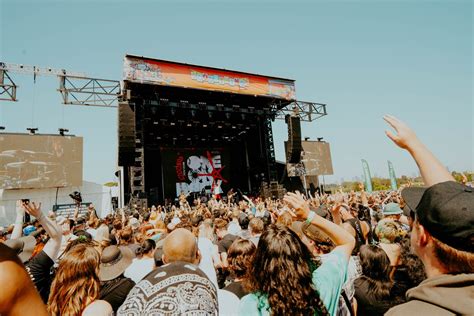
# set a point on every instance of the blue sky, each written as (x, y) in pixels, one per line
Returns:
(412, 59)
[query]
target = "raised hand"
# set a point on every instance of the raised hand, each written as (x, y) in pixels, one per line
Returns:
(298, 203)
(405, 137)
(32, 209)
(339, 198)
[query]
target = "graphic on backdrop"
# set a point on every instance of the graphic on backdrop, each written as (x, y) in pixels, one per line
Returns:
(195, 171)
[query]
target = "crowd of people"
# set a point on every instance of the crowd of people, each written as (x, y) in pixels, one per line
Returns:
(404, 252)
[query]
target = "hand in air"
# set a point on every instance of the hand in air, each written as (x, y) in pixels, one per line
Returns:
(404, 137)
(32, 209)
(298, 203)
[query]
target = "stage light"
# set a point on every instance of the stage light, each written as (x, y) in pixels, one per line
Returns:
(172, 123)
(320, 139)
(234, 127)
(32, 130)
(204, 125)
(306, 139)
(189, 125)
(2, 128)
(219, 126)
(62, 131)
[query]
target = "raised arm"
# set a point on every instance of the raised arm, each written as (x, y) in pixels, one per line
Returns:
(248, 200)
(431, 169)
(363, 195)
(18, 226)
(52, 228)
(342, 239)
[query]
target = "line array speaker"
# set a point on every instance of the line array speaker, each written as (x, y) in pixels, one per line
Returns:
(126, 134)
(294, 147)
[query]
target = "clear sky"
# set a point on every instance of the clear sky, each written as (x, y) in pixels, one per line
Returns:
(412, 59)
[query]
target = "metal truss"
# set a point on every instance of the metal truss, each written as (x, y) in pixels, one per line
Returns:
(89, 91)
(7, 87)
(307, 111)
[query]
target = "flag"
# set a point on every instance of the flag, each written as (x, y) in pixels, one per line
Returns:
(393, 179)
(368, 179)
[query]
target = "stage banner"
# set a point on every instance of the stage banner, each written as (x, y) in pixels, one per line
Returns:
(192, 170)
(368, 178)
(168, 73)
(393, 179)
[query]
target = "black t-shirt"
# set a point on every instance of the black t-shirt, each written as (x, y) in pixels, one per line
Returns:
(224, 244)
(39, 270)
(236, 288)
(368, 304)
(115, 291)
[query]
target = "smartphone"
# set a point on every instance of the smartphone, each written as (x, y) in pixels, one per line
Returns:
(26, 201)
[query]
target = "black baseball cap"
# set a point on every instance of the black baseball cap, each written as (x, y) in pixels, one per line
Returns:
(446, 210)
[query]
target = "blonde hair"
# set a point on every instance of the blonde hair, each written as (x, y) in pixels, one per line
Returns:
(102, 233)
(285, 219)
(76, 284)
(388, 231)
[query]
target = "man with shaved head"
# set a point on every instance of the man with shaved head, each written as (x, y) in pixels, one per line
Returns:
(178, 287)
(180, 245)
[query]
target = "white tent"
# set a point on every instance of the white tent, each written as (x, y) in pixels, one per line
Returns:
(92, 192)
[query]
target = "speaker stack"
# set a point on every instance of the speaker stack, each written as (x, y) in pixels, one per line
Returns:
(126, 134)
(294, 146)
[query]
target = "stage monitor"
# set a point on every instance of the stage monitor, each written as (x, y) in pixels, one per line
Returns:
(40, 161)
(195, 170)
(315, 160)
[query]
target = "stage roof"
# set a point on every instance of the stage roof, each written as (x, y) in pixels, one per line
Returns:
(175, 74)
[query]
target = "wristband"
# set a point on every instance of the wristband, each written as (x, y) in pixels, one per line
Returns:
(311, 215)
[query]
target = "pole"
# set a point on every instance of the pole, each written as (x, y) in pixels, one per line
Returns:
(305, 186)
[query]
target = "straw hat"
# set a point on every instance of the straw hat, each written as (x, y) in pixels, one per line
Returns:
(114, 261)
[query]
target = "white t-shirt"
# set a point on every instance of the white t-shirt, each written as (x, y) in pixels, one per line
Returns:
(234, 228)
(207, 249)
(139, 269)
(92, 231)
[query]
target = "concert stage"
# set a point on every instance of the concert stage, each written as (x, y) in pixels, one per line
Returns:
(189, 128)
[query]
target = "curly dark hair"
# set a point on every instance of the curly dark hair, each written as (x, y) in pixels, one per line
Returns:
(281, 269)
(240, 255)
